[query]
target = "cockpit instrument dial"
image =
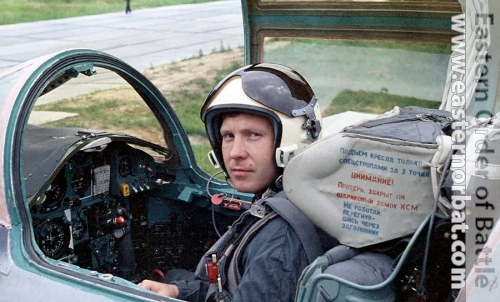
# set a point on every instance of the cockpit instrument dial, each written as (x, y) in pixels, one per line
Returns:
(79, 229)
(54, 238)
(55, 194)
(81, 181)
(125, 166)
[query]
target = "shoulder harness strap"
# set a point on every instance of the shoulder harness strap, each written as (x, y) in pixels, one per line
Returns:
(233, 272)
(302, 226)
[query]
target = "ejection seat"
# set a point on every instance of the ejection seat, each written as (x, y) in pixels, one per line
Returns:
(319, 283)
(373, 186)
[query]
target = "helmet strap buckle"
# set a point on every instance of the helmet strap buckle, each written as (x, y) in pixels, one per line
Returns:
(285, 154)
(312, 124)
(213, 159)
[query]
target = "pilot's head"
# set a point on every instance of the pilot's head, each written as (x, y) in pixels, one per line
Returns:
(256, 119)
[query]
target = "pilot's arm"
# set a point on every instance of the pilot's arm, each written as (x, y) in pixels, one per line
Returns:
(183, 285)
(169, 290)
(271, 266)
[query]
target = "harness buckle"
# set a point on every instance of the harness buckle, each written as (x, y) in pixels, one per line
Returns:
(258, 210)
(219, 284)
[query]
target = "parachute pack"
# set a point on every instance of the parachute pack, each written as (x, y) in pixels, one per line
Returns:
(369, 180)
(374, 180)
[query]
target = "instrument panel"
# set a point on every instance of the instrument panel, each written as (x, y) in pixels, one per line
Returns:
(114, 211)
(88, 175)
(87, 205)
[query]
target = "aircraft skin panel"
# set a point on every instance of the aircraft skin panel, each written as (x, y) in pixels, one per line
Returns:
(19, 282)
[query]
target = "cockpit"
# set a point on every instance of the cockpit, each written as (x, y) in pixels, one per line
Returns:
(113, 203)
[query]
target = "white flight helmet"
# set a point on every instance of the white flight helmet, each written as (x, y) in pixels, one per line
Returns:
(275, 91)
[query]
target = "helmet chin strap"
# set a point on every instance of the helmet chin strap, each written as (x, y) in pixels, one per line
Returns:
(270, 190)
(278, 183)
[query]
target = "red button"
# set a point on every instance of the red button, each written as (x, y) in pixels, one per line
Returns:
(119, 220)
(217, 199)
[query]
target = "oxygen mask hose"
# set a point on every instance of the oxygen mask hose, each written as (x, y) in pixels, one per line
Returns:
(213, 206)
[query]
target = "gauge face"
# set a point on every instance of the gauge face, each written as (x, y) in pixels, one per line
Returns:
(125, 166)
(79, 229)
(54, 238)
(81, 180)
(55, 194)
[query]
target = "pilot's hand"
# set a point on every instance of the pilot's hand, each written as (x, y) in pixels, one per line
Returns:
(169, 290)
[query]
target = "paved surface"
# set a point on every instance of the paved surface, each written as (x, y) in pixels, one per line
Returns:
(144, 38)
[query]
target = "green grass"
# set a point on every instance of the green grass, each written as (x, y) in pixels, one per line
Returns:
(437, 48)
(373, 102)
(331, 66)
(97, 111)
(17, 11)
(103, 114)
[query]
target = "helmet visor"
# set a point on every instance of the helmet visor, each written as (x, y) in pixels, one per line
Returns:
(274, 86)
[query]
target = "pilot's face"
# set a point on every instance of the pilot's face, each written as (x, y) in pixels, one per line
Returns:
(248, 151)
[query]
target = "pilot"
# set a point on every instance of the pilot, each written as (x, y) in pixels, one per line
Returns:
(256, 119)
